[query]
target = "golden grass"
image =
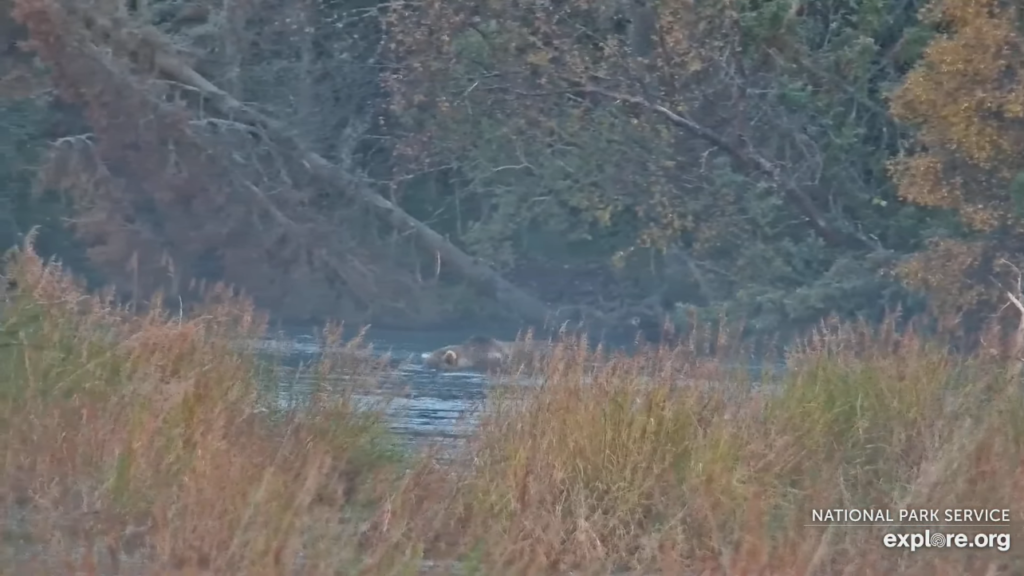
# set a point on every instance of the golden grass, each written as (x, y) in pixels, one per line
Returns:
(141, 444)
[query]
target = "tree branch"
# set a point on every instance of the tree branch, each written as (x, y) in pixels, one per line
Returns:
(1017, 344)
(749, 158)
(171, 66)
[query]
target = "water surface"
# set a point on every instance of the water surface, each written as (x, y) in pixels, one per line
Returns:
(425, 403)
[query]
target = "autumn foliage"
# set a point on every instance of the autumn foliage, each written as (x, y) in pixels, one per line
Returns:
(772, 161)
(168, 190)
(151, 445)
(737, 158)
(716, 155)
(966, 100)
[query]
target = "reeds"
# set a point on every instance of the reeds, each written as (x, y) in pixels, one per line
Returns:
(150, 432)
(147, 440)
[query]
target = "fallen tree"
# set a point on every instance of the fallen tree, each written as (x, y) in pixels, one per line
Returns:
(76, 43)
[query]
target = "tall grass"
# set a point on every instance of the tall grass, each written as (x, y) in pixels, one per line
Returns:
(121, 432)
(142, 439)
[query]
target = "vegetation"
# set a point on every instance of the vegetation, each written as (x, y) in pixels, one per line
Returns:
(141, 442)
(620, 163)
(967, 99)
(119, 429)
(779, 161)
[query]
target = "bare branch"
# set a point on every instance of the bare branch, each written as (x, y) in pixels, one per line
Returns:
(746, 157)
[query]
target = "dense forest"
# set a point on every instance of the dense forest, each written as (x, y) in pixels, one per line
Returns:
(617, 162)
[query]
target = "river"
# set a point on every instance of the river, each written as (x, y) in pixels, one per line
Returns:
(425, 404)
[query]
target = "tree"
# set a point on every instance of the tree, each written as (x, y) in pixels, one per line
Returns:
(182, 177)
(741, 147)
(965, 97)
(29, 115)
(164, 194)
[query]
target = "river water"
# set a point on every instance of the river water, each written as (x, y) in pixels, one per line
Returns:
(423, 403)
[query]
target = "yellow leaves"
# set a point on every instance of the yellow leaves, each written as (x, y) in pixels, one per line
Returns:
(620, 257)
(669, 222)
(945, 272)
(957, 97)
(959, 13)
(964, 76)
(1014, 106)
(963, 97)
(983, 217)
(921, 181)
(604, 215)
(595, 207)
(539, 58)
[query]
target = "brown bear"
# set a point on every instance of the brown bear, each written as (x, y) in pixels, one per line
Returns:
(485, 354)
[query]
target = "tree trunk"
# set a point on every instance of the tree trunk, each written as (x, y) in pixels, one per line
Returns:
(151, 42)
(526, 306)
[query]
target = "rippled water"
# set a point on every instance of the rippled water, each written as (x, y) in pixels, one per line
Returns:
(424, 403)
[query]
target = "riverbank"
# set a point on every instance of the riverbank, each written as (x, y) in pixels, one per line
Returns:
(142, 442)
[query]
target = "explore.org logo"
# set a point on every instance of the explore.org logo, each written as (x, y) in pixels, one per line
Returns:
(914, 529)
(929, 539)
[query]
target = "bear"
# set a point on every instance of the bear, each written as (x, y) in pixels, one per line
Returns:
(486, 354)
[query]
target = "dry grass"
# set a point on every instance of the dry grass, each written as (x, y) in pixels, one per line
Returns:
(142, 440)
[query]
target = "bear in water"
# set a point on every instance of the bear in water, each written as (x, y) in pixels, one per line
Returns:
(485, 354)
